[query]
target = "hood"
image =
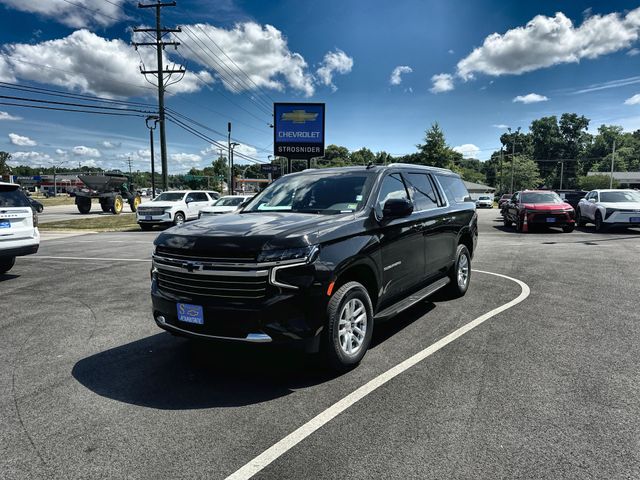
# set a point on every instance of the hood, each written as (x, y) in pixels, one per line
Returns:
(218, 208)
(245, 235)
(621, 205)
(547, 206)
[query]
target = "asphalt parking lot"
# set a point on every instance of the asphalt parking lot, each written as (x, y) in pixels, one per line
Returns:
(548, 388)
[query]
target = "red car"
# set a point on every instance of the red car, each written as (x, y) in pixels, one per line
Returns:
(543, 208)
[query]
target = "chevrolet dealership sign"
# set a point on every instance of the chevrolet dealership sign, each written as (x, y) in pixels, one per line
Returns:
(298, 130)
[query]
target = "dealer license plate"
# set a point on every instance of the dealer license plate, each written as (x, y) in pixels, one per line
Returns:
(190, 313)
(634, 220)
(5, 224)
(551, 220)
(148, 217)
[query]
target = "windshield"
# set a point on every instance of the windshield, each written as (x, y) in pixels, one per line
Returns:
(550, 197)
(315, 192)
(169, 197)
(229, 202)
(12, 197)
(621, 196)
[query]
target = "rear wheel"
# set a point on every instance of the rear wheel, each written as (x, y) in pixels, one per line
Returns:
(507, 223)
(460, 273)
(84, 205)
(350, 326)
(106, 207)
(6, 264)
(135, 202)
(118, 204)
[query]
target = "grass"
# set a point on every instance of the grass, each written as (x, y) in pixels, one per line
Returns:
(124, 222)
(61, 199)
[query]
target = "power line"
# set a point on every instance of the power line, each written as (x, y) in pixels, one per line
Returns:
(52, 102)
(72, 110)
(98, 12)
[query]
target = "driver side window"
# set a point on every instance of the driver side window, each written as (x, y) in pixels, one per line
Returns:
(392, 187)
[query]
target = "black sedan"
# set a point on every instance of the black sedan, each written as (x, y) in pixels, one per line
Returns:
(36, 205)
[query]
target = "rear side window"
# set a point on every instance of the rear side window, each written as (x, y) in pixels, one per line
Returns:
(454, 189)
(199, 197)
(12, 197)
(424, 195)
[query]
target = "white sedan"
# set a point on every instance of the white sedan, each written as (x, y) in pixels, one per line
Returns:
(226, 204)
(609, 208)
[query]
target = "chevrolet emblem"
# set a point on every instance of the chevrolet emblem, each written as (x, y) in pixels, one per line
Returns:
(299, 116)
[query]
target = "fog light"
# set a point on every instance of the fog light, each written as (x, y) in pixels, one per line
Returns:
(160, 319)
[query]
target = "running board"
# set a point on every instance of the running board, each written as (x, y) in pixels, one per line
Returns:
(412, 299)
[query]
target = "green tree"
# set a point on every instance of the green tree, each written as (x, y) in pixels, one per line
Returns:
(334, 156)
(364, 156)
(525, 173)
(435, 151)
(4, 167)
(593, 182)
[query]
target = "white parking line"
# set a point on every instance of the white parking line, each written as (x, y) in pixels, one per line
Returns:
(89, 258)
(291, 440)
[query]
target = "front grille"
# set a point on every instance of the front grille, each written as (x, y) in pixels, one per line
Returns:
(542, 217)
(150, 211)
(221, 255)
(220, 284)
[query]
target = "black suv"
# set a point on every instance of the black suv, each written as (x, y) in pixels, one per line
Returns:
(317, 257)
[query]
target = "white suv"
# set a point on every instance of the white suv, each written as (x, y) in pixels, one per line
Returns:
(19, 233)
(609, 208)
(172, 208)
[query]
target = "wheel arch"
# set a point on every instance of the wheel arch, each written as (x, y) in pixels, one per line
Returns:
(362, 273)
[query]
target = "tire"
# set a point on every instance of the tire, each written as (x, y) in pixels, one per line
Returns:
(84, 205)
(40, 209)
(599, 223)
(146, 227)
(350, 298)
(520, 225)
(507, 223)
(460, 273)
(178, 218)
(118, 205)
(7, 264)
(579, 219)
(105, 207)
(135, 202)
(568, 228)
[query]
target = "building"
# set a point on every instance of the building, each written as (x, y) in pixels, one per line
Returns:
(625, 179)
(477, 189)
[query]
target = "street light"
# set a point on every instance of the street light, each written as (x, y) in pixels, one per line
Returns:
(55, 183)
(153, 162)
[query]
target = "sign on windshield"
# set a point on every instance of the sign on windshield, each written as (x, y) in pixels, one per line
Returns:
(298, 130)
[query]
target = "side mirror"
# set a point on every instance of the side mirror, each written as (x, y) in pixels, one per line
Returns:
(396, 208)
(592, 200)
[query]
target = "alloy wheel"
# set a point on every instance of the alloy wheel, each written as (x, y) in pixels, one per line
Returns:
(463, 271)
(352, 326)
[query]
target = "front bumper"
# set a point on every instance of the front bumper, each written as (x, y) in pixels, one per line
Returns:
(622, 219)
(550, 218)
(166, 218)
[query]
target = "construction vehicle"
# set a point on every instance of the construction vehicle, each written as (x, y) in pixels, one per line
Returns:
(111, 190)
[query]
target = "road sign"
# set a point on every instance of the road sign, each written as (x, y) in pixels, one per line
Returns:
(298, 131)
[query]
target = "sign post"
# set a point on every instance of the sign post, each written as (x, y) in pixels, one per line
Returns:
(298, 132)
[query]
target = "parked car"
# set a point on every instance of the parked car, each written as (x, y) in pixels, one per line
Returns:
(19, 233)
(504, 199)
(36, 205)
(538, 208)
(318, 257)
(172, 208)
(610, 208)
(484, 201)
(226, 204)
(572, 197)
(214, 195)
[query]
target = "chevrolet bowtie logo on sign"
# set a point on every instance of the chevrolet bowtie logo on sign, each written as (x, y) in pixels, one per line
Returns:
(299, 116)
(298, 132)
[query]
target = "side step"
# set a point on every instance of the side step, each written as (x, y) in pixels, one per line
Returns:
(412, 299)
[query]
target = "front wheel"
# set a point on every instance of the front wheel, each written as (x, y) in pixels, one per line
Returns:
(178, 219)
(460, 273)
(118, 205)
(7, 264)
(599, 223)
(350, 326)
(568, 228)
(580, 219)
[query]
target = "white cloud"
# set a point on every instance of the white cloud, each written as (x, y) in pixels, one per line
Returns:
(468, 150)
(332, 63)
(61, 153)
(530, 98)
(546, 41)
(396, 75)
(82, 151)
(635, 100)
(29, 158)
(21, 141)
(501, 126)
(88, 63)
(633, 52)
(442, 82)
(182, 158)
(110, 145)
(261, 51)
(8, 116)
(96, 12)
(451, 52)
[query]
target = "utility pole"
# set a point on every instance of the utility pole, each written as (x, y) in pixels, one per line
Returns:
(159, 73)
(153, 156)
(233, 146)
(513, 158)
(500, 168)
(129, 163)
(561, 172)
(613, 159)
(230, 186)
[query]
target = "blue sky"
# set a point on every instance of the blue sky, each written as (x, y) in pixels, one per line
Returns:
(492, 68)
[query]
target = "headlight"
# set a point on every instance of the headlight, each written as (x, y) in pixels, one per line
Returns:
(302, 253)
